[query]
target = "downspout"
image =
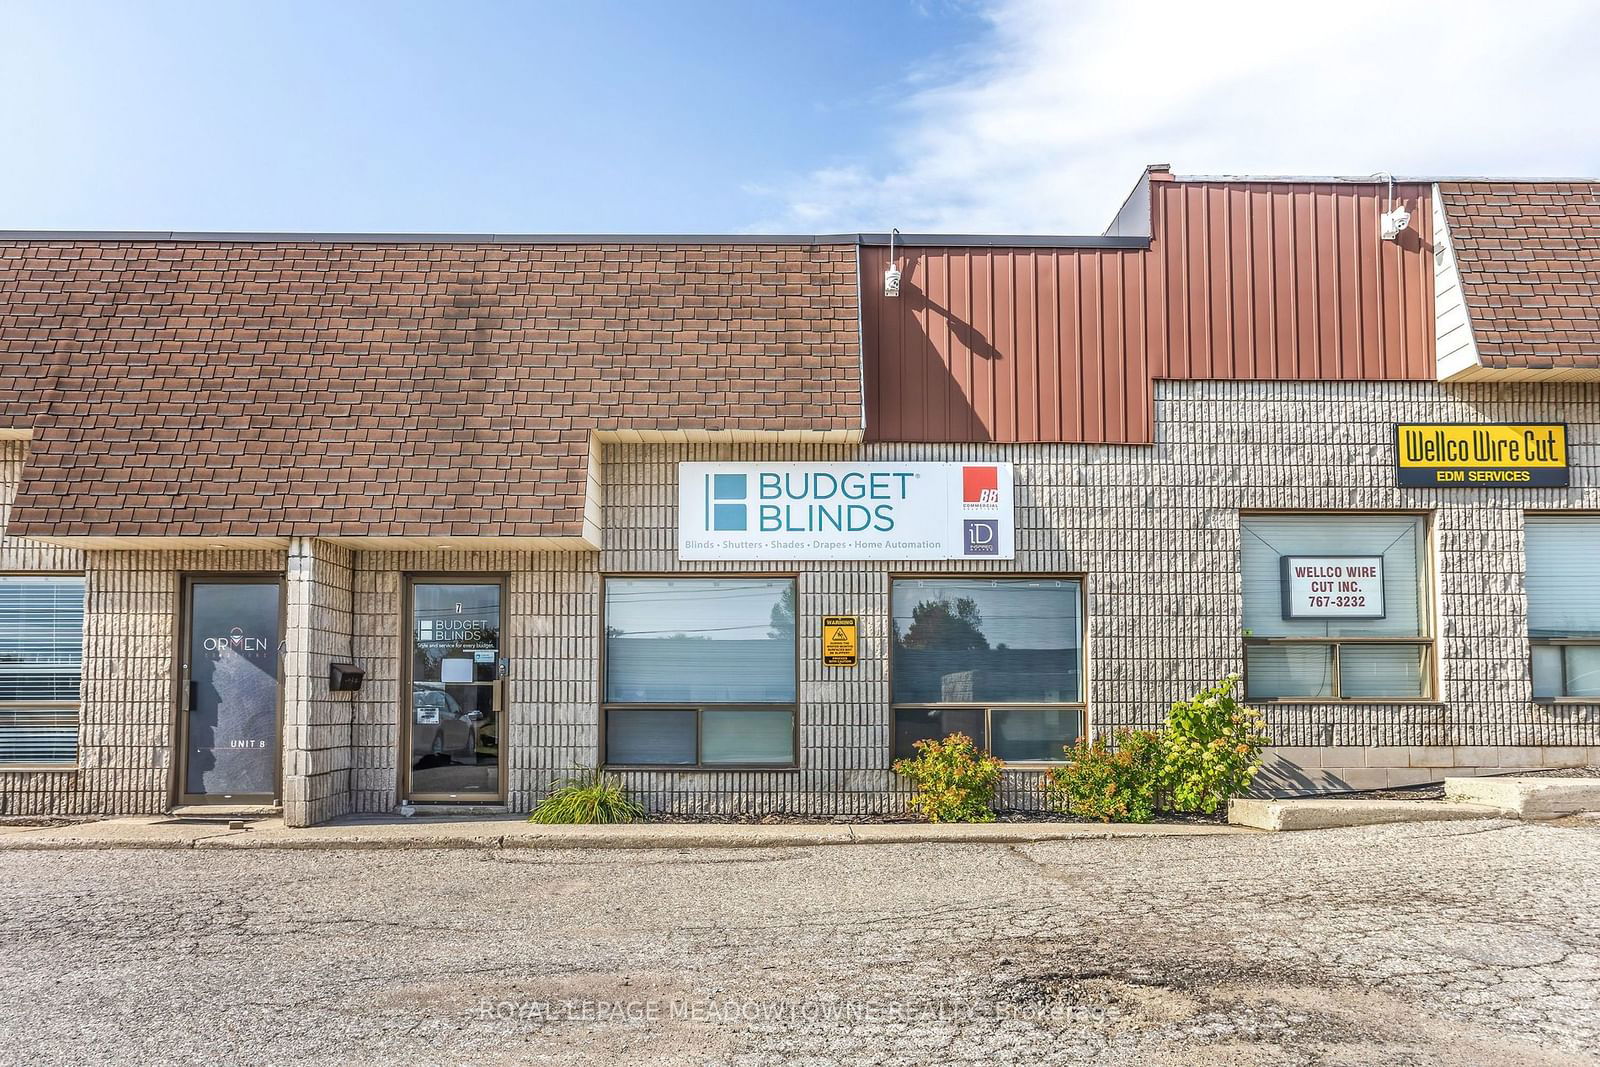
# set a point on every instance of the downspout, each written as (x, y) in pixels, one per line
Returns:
(861, 343)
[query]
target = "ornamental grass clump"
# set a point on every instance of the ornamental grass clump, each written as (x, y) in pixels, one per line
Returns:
(589, 797)
(1112, 780)
(1210, 749)
(954, 781)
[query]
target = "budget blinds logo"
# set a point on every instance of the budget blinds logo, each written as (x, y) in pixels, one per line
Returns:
(980, 486)
(725, 507)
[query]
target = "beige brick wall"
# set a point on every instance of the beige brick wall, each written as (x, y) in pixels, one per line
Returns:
(126, 746)
(1154, 530)
(318, 725)
(550, 638)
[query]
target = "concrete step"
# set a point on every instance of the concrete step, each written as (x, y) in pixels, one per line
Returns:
(1527, 798)
(1324, 813)
(422, 810)
(226, 812)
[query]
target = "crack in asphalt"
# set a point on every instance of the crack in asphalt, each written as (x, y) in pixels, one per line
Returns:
(1390, 946)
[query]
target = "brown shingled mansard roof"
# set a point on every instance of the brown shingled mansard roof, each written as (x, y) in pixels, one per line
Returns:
(416, 390)
(1529, 257)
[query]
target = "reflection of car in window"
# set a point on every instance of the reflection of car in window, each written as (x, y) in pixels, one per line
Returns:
(439, 724)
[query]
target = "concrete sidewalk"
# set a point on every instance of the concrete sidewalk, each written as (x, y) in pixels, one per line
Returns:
(163, 832)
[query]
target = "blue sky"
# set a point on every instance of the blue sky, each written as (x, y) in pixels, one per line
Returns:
(577, 116)
(806, 116)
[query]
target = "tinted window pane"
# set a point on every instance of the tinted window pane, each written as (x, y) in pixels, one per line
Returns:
(1032, 733)
(1273, 671)
(1547, 668)
(234, 651)
(959, 640)
(707, 640)
(1583, 671)
(1382, 671)
(455, 739)
(455, 632)
(650, 736)
(41, 638)
(739, 736)
(925, 724)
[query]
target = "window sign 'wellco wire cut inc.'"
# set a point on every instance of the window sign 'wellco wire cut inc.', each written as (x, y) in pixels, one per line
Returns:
(1476, 456)
(1332, 587)
(845, 511)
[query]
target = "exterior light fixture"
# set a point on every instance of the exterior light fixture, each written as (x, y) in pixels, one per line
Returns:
(891, 274)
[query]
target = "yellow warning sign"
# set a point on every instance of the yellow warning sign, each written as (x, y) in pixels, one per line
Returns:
(839, 643)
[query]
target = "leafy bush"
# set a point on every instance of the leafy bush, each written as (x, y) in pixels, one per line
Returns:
(1211, 748)
(1110, 783)
(954, 781)
(590, 796)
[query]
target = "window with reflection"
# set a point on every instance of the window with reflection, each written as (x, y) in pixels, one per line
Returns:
(700, 672)
(997, 659)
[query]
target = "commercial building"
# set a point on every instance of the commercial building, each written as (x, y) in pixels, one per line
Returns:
(727, 517)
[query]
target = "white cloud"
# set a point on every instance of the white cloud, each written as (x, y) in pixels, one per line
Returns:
(1047, 127)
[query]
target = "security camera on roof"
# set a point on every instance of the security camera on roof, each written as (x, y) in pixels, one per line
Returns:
(1392, 223)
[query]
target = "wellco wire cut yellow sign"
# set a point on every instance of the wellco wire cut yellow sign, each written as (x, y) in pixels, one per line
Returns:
(1479, 456)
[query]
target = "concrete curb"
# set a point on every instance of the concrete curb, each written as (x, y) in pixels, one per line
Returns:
(160, 833)
(1500, 797)
(1327, 813)
(1528, 798)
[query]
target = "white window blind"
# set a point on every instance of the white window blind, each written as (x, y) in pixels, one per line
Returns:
(41, 667)
(1563, 576)
(1564, 605)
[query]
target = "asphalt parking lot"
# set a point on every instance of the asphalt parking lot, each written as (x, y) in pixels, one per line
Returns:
(1460, 943)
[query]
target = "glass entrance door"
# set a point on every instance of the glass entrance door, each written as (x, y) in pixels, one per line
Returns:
(229, 690)
(453, 726)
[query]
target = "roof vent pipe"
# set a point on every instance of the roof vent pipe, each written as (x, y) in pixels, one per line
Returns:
(891, 274)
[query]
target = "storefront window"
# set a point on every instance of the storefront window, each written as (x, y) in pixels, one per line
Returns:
(1564, 605)
(41, 668)
(700, 672)
(998, 659)
(1335, 607)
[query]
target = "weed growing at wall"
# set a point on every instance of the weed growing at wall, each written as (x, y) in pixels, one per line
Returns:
(590, 796)
(954, 781)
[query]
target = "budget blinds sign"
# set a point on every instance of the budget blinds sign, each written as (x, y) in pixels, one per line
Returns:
(845, 511)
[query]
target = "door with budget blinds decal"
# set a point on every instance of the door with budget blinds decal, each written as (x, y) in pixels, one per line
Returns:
(453, 704)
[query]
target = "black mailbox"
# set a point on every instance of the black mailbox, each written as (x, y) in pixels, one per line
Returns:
(345, 677)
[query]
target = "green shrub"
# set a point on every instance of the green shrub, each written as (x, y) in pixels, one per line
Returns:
(590, 796)
(1110, 783)
(1211, 749)
(954, 781)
